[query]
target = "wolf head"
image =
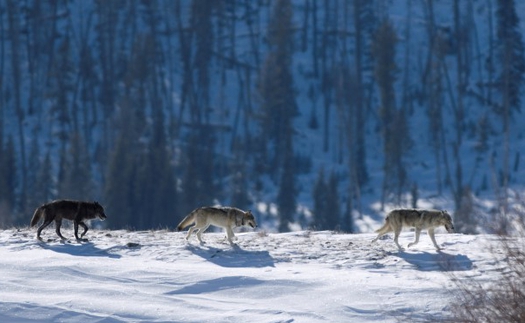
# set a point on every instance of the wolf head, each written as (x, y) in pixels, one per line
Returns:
(447, 221)
(249, 219)
(99, 211)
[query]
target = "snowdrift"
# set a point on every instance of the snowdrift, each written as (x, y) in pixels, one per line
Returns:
(158, 276)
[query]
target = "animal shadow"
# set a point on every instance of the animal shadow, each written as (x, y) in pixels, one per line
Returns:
(233, 256)
(84, 249)
(439, 261)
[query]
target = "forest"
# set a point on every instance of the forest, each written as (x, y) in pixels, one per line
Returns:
(311, 108)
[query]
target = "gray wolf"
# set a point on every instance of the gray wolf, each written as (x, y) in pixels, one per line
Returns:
(76, 211)
(419, 219)
(223, 217)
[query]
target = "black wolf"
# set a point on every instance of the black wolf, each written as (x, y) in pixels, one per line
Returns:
(76, 211)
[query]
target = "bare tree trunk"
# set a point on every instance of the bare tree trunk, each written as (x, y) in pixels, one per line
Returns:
(14, 34)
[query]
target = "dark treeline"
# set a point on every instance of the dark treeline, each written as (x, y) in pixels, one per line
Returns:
(157, 107)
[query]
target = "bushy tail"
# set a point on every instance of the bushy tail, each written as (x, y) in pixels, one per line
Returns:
(39, 212)
(385, 228)
(189, 219)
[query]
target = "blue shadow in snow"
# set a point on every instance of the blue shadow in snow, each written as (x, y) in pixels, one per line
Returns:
(235, 257)
(223, 283)
(440, 261)
(265, 288)
(85, 249)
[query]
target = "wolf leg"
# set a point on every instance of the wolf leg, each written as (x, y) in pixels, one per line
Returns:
(42, 227)
(58, 224)
(83, 225)
(378, 236)
(200, 232)
(396, 237)
(190, 231)
(418, 232)
(433, 238)
(199, 235)
(230, 234)
(75, 226)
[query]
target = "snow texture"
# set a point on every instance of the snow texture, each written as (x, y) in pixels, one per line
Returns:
(158, 276)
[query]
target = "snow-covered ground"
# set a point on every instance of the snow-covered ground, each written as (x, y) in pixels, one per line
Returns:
(157, 276)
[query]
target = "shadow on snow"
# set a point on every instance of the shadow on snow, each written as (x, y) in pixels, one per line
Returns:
(440, 261)
(234, 257)
(223, 283)
(265, 288)
(84, 249)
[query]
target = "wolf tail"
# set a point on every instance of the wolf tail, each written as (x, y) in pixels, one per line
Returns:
(385, 228)
(39, 212)
(189, 219)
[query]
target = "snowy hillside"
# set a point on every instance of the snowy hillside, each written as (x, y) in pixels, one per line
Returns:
(156, 276)
(154, 108)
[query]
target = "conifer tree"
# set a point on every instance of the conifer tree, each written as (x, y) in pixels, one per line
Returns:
(320, 198)
(76, 181)
(511, 54)
(286, 197)
(278, 108)
(44, 182)
(333, 208)
(276, 89)
(327, 210)
(394, 126)
(10, 168)
(158, 193)
(197, 183)
(33, 167)
(240, 196)
(120, 182)
(7, 182)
